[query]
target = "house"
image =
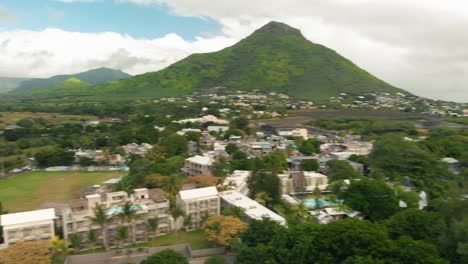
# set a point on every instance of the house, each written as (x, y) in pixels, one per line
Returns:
(197, 204)
(198, 165)
(252, 209)
(238, 181)
(147, 203)
(28, 226)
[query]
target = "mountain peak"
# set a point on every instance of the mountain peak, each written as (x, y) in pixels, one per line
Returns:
(278, 28)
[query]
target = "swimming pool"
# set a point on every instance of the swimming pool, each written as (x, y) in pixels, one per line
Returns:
(118, 210)
(311, 203)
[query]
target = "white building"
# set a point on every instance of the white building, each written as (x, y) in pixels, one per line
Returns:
(198, 165)
(315, 179)
(251, 208)
(238, 181)
(198, 204)
(28, 226)
(302, 181)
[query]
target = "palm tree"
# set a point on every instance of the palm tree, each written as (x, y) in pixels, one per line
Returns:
(152, 225)
(102, 219)
(317, 194)
(302, 210)
(92, 238)
(172, 185)
(128, 216)
(188, 221)
(263, 198)
(75, 240)
(121, 235)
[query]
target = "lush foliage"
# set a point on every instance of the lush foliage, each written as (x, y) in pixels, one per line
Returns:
(346, 241)
(166, 256)
(223, 230)
(374, 199)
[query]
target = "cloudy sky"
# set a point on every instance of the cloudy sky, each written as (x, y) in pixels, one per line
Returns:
(418, 45)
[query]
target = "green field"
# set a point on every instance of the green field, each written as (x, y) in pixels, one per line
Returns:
(197, 239)
(29, 190)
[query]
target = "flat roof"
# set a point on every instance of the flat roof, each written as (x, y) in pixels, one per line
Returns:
(251, 208)
(198, 193)
(203, 160)
(27, 217)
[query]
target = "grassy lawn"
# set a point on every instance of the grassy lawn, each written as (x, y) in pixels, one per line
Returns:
(29, 190)
(197, 239)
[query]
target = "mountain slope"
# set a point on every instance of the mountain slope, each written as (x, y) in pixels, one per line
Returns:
(275, 58)
(9, 84)
(92, 77)
(72, 86)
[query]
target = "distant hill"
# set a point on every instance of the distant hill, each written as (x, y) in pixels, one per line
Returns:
(92, 77)
(72, 86)
(275, 58)
(8, 84)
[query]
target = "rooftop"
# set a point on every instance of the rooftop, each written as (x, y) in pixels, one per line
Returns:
(198, 193)
(202, 160)
(27, 217)
(252, 208)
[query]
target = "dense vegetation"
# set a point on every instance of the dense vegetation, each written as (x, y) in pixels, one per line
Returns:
(366, 126)
(346, 241)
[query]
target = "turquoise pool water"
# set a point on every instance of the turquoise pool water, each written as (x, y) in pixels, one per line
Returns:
(120, 209)
(311, 203)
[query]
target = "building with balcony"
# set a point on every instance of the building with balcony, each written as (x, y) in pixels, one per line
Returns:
(198, 204)
(28, 226)
(199, 165)
(148, 203)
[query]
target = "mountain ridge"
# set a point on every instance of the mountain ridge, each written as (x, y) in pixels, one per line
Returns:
(93, 77)
(274, 58)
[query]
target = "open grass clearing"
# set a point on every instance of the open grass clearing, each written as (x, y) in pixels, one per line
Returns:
(29, 190)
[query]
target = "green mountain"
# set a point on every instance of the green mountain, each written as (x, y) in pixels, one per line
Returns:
(275, 58)
(70, 87)
(93, 77)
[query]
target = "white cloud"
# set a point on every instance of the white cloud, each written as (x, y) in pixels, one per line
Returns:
(54, 51)
(418, 45)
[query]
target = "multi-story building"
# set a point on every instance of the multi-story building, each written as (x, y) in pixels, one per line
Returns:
(28, 226)
(198, 165)
(198, 204)
(302, 181)
(148, 203)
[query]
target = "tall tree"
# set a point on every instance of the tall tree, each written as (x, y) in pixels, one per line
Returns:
(376, 200)
(101, 218)
(152, 225)
(76, 241)
(121, 235)
(128, 216)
